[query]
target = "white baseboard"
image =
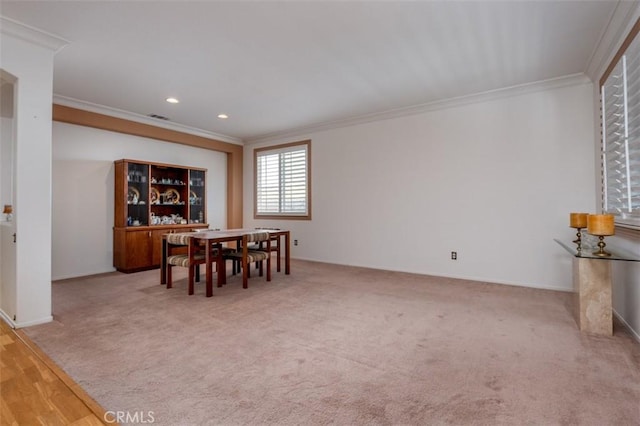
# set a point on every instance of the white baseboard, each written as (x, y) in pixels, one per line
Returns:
(633, 332)
(445, 275)
(22, 324)
(81, 274)
(7, 319)
(18, 324)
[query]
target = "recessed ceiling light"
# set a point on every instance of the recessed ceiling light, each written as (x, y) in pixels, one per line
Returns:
(223, 116)
(173, 101)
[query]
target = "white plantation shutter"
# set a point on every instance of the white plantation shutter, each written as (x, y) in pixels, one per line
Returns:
(620, 95)
(282, 180)
(268, 183)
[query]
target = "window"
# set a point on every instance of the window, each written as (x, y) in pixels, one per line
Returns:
(620, 121)
(282, 181)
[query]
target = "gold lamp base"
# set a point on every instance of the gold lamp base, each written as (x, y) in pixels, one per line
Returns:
(601, 251)
(578, 240)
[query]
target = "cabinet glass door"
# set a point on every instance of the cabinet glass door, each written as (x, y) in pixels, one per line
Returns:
(137, 194)
(168, 195)
(197, 203)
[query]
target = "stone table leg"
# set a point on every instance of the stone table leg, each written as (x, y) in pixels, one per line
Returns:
(592, 294)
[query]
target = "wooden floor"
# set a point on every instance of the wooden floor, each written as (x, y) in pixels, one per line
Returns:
(35, 391)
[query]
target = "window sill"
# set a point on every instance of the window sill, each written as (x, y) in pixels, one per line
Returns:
(282, 217)
(628, 232)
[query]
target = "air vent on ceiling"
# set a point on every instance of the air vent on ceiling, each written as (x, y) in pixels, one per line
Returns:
(159, 117)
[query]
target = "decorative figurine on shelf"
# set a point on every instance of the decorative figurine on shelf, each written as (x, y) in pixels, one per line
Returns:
(8, 211)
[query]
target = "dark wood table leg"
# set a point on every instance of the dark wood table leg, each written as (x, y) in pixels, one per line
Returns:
(221, 267)
(163, 262)
(279, 245)
(245, 266)
(287, 253)
(192, 266)
(209, 259)
(268, 260)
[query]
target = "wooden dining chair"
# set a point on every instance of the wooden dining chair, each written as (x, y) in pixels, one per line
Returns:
(194, 256)
(275, 245)
(253, 255)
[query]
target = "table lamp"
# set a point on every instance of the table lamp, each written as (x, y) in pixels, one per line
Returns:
(600, 225)
(8, 210)
(578, 221)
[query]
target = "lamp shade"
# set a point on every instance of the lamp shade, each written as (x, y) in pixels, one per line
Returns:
(600, 224)
(578, 220)
(7, 209)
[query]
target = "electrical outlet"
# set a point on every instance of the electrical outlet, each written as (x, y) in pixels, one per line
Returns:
(454, 255)
(295, 242)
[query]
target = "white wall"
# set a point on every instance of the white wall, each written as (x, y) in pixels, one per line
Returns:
(83, 191)
(626, 283)
(8, 288)
(494, 181)
(28, 55)
(6, 161)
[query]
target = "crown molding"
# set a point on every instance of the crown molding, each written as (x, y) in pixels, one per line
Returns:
(32, 35)
(139, 118)
(554, 83)
(622, 19)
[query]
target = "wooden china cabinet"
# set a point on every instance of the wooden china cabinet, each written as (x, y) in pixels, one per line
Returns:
(152, 199)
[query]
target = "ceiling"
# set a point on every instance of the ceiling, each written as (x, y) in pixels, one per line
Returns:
(281, 67)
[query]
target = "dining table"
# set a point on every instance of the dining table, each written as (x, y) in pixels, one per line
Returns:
(212, 239)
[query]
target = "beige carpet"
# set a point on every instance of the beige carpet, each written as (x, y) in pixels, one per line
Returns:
(339, 345)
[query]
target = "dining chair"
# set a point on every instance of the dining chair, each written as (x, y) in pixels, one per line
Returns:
(194, 257)
(216, 247)
(253, 255)
(275, 245)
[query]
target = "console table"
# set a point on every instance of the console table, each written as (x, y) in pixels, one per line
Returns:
(592, 287)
